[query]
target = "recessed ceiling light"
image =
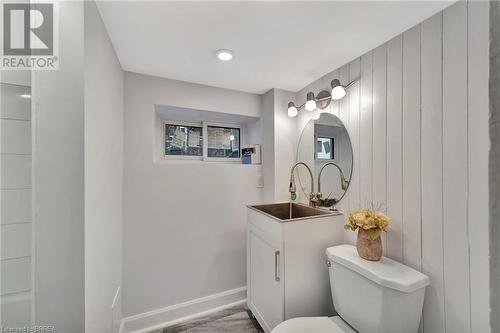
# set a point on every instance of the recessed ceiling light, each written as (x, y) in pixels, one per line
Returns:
(224, 55)
(25, 96)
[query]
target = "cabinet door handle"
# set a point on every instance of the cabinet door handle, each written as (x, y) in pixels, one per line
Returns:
(276, 265)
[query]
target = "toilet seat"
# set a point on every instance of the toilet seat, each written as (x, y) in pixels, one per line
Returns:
(313, 325)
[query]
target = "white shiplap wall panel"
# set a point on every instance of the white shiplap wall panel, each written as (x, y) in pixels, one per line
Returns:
(366, 130)
(478, 42)
(354, 122)
(379, 176)
(432, 173)
(430, 86)
(334, 105)
(394, 148)
(455, 182)
(344, 102)
(343, 76)
(411, 149)
(351, 107)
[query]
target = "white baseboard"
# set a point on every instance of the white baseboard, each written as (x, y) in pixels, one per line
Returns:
(183, 312)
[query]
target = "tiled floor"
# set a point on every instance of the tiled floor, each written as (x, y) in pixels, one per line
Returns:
(233, 320)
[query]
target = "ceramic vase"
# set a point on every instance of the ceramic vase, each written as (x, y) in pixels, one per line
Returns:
(368, 248)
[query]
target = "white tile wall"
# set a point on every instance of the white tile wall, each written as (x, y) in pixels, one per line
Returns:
(16, 206)
(16, 310)
(16, 240)
(20, 78)
(15, 136)
(16, 171)
(16, 275)
(12, 105)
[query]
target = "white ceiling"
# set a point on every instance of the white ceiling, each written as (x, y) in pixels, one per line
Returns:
(284, 45)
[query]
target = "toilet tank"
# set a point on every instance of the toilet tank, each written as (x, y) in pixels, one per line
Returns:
(375, 296)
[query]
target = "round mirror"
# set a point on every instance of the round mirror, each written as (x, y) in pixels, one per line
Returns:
(325, 146)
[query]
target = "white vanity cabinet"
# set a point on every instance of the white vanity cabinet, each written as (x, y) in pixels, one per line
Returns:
(286, 272)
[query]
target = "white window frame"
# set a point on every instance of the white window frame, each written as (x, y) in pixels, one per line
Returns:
(205, 146)
(204, 125)
(180, 123)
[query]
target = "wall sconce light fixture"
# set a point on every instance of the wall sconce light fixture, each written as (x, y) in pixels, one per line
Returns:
(292, 110)
(322, 100)
(310, 102)
(338, 91)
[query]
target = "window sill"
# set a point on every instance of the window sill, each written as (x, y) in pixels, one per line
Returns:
(201, 162)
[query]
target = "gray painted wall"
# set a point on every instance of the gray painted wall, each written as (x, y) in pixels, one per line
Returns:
(103, 176)
(279, 144)
(58, 118)
(184, 221)
(495, 163)
(268, 160)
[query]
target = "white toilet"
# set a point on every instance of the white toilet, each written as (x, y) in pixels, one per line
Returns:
(383, 296)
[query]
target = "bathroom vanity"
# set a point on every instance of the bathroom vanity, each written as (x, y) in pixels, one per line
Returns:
(286, 272)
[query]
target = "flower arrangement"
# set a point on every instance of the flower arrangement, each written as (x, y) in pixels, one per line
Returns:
(370, 223)
(370, 220)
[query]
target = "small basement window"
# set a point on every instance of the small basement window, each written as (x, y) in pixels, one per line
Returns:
(325, 148)
(223, 142)
(207, 141)
(183, 140)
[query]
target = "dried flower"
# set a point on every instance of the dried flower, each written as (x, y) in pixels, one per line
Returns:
(374, 222)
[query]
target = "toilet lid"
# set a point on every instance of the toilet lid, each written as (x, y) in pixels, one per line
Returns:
(386, 272)
(313, 325)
